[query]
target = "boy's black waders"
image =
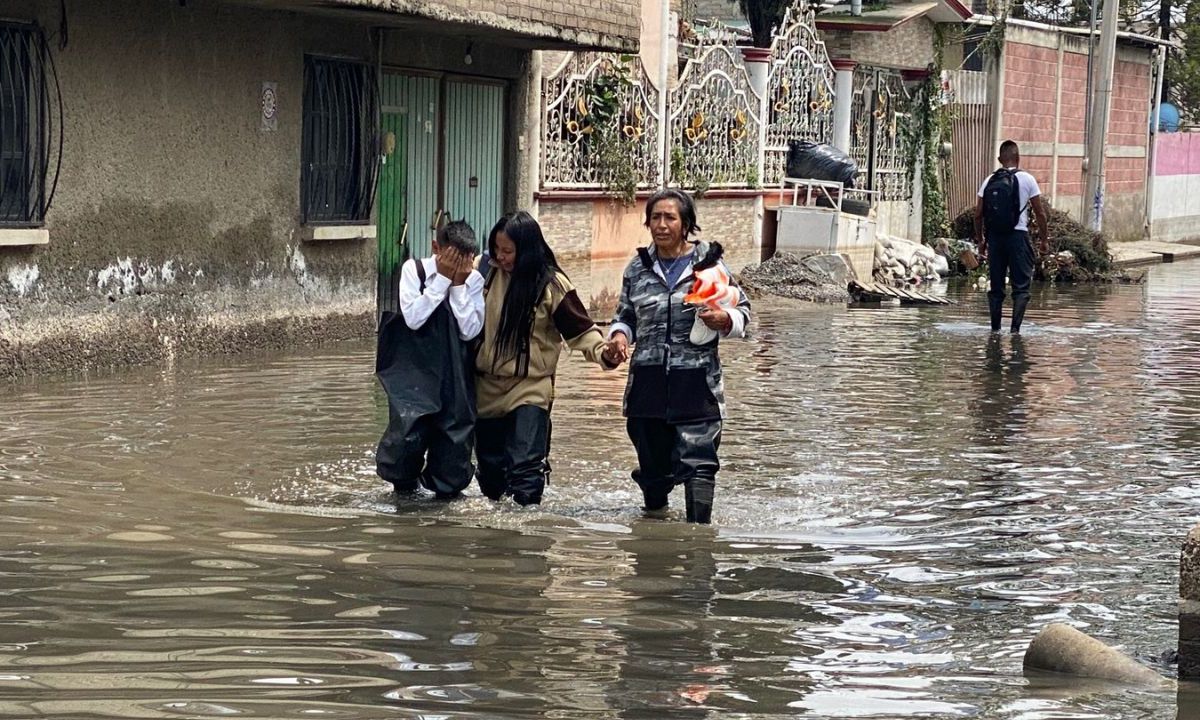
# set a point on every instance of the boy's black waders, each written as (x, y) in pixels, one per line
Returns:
(429, 377)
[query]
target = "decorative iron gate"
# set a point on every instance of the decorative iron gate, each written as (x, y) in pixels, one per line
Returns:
(597, 106)
(799, 91)
(878, 139)
(714, 128)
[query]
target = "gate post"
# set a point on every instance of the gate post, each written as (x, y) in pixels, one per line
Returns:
(758, 69)
(843, 102)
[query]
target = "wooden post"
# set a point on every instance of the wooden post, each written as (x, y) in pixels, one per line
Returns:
(1189, 607)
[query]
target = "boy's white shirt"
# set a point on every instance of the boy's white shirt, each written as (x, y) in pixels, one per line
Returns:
(466, 300)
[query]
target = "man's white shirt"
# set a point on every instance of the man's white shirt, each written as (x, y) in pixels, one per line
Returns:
(1027, 189)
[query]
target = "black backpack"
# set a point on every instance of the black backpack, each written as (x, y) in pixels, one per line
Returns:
(1002, 201)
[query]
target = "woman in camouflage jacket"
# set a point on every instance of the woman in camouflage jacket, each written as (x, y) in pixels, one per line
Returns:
(675, 398)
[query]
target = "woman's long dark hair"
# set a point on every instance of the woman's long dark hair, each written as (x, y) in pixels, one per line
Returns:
(533, 269)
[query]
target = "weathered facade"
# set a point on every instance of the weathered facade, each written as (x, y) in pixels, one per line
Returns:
(219, 160)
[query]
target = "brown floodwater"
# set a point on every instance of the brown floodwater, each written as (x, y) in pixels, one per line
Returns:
(904, 502)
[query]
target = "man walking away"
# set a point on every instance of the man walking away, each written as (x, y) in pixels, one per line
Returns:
(1002, 232)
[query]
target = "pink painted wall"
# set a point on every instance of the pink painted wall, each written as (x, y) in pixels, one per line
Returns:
(1178, 154)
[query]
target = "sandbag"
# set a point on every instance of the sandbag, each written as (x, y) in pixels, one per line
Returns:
(809, 161)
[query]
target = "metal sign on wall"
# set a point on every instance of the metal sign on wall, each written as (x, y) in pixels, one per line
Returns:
(269, 104)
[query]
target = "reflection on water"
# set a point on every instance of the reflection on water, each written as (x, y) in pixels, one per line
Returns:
(905, 501)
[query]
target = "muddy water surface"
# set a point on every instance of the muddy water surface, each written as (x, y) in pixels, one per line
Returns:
(904, 503)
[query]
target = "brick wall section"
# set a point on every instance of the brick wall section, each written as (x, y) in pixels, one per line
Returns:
(1074, 99)
(1029, 104)
(1129, 120)
(607, 24)
(1029, 92)
(568, 228)
(729, 221)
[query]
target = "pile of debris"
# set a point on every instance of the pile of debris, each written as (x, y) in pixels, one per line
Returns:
(902, 262)
(1077, 254)
(816, 278)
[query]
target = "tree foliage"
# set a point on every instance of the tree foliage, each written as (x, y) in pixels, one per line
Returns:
(763, 16)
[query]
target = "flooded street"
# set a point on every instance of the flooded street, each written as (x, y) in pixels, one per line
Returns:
(904, 503)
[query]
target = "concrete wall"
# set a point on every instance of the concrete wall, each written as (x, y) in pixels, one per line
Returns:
(175, 225)
(1175, 210)
(1044, 101)
(892, 218)
(724, 10)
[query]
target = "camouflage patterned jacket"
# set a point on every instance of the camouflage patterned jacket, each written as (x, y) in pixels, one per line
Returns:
(670, 378)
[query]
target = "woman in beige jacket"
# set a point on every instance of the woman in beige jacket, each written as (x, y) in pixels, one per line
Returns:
(530, 310)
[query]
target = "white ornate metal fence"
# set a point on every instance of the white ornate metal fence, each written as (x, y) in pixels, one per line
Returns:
(714, 123)
(719, 131)
(800, 85)
(599, 111)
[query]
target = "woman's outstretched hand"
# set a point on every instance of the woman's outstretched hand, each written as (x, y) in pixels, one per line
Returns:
(616, 350)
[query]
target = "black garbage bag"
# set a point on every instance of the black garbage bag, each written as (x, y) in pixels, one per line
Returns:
(810, 161)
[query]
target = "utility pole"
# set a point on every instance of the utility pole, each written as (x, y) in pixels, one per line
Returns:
(1093, 186)
(664, 79)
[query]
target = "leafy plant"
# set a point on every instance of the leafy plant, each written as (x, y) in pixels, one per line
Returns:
(606, 140)
(925, 137)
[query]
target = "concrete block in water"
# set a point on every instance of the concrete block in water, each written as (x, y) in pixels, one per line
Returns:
(1189, 607)
(1063, 649)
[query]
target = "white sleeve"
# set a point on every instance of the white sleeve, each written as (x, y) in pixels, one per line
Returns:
(466, 302)
(620, 327)
(984, 185)
(1031, 185)
(417, 306)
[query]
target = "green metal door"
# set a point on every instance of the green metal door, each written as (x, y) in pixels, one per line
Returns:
(473, 175)
(447, 162)
(392, 220)
(417, 99)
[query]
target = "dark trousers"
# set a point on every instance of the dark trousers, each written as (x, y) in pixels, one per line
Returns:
(511, 452)
(424, 454)
(671, 454)
(1011, 255)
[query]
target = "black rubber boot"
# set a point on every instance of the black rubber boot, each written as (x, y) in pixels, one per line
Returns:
(996, 310)
(525, 499)
(405, 487)
(1020, 302)
(655, 505)
(697, 510)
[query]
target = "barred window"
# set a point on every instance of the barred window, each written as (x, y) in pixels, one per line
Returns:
(338, 153)
(26, 125)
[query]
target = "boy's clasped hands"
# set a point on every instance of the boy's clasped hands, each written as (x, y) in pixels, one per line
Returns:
(454, 264)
